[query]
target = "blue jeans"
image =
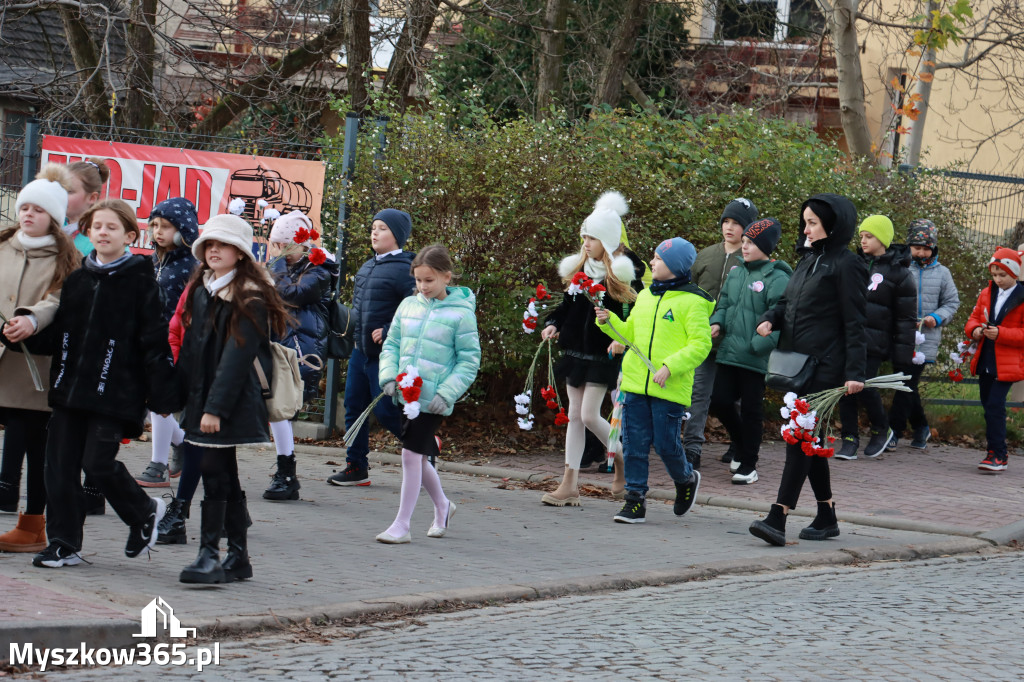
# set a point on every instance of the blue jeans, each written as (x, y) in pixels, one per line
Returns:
(993, 401)
(362, 385)
(646, 420)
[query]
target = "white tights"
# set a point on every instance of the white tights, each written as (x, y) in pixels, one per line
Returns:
(584, 413)
(417, 472)
(166, 432)
(284, 437)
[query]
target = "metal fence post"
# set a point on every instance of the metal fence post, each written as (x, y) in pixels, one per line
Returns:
(30, 157)
(348, 161)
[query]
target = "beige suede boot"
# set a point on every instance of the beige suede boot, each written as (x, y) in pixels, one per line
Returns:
(568, 492)
(619, 479)
(28, 536)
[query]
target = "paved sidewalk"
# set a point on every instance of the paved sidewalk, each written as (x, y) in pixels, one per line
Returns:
(317, 557)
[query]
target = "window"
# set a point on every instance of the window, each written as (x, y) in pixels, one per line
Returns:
(768, 20)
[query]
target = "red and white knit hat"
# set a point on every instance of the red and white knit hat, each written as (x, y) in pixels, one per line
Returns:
(1008, 260)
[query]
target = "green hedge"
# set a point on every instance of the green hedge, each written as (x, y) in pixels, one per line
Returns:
(508, 198)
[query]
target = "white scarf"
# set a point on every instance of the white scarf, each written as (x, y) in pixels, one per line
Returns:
(36, 242)
(215, 285)
(595, 269)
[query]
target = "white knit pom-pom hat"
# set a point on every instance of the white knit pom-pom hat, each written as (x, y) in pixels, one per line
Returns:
(605, 222)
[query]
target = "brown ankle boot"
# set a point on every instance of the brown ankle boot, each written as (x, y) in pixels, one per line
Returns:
(619, 479)
(28, 536)
(568, 493)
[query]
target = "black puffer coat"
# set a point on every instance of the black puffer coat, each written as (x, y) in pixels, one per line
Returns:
(109, 344)
(307, 288)
(216, 372)
(822, 312)
(891, 319)
(380, 286)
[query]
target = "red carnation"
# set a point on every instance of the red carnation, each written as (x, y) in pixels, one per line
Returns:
(579, 278)
(317, 257)
(530, 323)
(551, 405)
(314, 235)
(808, 448)
(956, 375)
(542, 293)
(789, 437)
(561, 419)
(548, 393)
(802, 406)
(595, 289)
(301, 236)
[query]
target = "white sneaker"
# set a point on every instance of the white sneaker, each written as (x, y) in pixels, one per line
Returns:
(745, 476)
(734, 466)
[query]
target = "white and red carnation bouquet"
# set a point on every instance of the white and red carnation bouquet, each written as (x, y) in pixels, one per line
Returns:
(530, 315)
(582, 284)
(524, 400)
(410, 385)
(964, 351)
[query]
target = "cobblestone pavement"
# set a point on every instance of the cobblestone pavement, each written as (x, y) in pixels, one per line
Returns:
(941, 619)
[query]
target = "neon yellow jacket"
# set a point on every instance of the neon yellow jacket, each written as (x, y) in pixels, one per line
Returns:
(671, 330)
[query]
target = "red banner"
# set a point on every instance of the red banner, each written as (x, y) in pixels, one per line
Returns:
(143, 176)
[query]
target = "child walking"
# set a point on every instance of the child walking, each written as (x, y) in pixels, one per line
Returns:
(35, 258)
(749, 292)
(937, 302)
(111, 362)
(381, 284)
(306, 287)
(230, 312)
(670, 320)
(997, 326)
(435, 333)
(589, 364)
(173, 227)
(712, 266)
(890, 326)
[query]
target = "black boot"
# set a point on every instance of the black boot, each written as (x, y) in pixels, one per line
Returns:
(206, 569)
(773, 529)
(824, 525)
(236, 564)
(284, 486)
(171, 529)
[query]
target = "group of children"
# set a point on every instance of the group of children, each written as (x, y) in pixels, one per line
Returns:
(111, 335)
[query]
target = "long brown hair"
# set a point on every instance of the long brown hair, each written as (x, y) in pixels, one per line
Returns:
(617, 289)
(251, 286)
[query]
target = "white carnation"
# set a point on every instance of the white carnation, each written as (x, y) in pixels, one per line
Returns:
(412, 410)
(790, 399)
(918, 358)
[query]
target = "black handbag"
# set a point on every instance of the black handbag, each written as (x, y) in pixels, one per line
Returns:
(789, 371)
(340, 339)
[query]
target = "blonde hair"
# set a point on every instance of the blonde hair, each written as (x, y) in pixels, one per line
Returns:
(617, 289)
(93, 173)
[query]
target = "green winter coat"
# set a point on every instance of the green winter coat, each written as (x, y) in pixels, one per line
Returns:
(712, 266)
(439, 339)
(749, 292)
(671, 330)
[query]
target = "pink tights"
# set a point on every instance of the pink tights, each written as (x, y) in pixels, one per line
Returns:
(416, 472)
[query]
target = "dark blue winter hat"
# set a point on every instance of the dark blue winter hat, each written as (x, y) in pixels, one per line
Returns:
(678, 255)
(399, 222)
(182, 214)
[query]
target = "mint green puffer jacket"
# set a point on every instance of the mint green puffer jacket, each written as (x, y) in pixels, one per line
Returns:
(439, 339)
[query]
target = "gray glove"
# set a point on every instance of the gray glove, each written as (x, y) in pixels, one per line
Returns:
(390, 388)
(437, 405)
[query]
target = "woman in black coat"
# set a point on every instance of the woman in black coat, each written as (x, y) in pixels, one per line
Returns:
(821, 314)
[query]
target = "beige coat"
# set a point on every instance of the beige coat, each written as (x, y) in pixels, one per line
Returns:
(25, 275)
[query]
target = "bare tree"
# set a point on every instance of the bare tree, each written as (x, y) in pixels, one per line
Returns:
(357, 53)
(552, 54)
(406, 61)
(609, 83)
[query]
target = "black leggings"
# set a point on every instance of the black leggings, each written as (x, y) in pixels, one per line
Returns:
(220, 475)
(191, 471)
(800, 467)
(25, 437)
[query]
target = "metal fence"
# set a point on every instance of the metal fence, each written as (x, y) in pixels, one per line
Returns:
(994, 204)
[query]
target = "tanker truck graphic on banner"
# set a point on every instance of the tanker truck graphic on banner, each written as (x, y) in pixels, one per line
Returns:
(253, 184)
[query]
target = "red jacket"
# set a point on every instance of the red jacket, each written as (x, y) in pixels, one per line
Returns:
(175, 329)
(1009, 345)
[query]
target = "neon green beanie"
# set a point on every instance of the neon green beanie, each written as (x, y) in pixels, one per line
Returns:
(880, 227)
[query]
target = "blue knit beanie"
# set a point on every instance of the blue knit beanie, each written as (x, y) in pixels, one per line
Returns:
(399, 222)
(678, 255)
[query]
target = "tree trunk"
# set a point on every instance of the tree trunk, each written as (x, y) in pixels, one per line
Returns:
(924, 89)
(609, 84)
(841, 16)
(138, 108)
(405, 60)
(86, 57)
(552, 52)
(307, 54)
(358, 53)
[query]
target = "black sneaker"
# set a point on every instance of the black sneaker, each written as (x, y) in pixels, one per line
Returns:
(686, 493)
(920, 437)
(633, 511)
(56, 555)
(745, 475)
(849, 449)
(694, 458)
(352, 475)
(878, 443)
(142, 537)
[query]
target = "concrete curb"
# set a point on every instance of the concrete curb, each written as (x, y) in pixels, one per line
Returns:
(1000, 536)
(497, 594)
